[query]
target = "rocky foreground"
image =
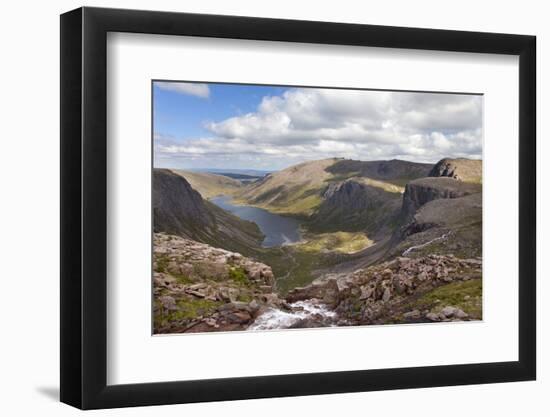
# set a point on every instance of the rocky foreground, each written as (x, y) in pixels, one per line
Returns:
(404, 290)
(199, 288)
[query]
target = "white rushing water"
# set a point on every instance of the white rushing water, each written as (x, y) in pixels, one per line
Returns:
(279, 319)
(405, 253)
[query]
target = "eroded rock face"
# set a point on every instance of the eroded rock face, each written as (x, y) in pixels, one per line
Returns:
(177, 207)
(356, 204)
(423, 190)
(197, 287)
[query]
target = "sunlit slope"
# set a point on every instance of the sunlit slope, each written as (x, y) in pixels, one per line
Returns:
(296, 190)
(210, 185)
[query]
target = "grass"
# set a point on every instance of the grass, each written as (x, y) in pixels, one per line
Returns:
(188, 309)
(182, 279)
(384, 185)
(291, 266)
(465, 242)
(300, 201)
(344, 242)
(210, 185)
(238, 275)
(466, 295)
(162, 263)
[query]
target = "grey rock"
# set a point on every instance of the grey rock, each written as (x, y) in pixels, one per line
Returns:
(433, 317)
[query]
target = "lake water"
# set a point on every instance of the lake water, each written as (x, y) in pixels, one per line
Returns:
(278, 230)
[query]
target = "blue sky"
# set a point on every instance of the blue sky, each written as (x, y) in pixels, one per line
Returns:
(182, 116)
(230, 126)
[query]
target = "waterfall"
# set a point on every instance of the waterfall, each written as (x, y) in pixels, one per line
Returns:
(275, 318)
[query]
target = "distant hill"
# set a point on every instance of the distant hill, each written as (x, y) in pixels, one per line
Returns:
(395, 171)
(295, 190)
(245, 171)
(180, 210)
(337, 194)
(241, 177)
(210, 185)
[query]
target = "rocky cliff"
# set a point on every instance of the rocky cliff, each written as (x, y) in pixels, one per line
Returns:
(463, 169)
(356, 204)
(423, 190)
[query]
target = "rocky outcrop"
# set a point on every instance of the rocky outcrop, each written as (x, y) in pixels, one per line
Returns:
(180, 210)
(383, 293)
(423, 190)
(197, 287)
(463, 169)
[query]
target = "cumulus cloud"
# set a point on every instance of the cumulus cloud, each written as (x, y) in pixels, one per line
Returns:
(192, 89)
(306, 124)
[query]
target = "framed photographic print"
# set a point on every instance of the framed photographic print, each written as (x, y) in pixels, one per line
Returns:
(258, 207)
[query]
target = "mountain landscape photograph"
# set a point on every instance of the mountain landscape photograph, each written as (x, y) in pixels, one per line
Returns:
(280, 207)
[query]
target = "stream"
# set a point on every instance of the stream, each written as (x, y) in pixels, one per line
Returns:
(301, 311)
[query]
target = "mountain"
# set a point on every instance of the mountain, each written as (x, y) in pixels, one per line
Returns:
(423, 190)
(441, 215)
(382, 242)
(302, 189)
(357, 204)
(467, 170)
(180, 210)
(432, 215)
(210, 185)
(295, 190)
(240, 177)
(221, 171)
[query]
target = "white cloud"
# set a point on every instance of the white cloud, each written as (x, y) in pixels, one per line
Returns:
(306, 124)
(192, 89)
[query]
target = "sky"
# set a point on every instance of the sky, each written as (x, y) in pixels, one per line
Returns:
(230, 126)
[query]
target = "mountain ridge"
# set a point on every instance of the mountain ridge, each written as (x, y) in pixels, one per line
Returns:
(178, 209)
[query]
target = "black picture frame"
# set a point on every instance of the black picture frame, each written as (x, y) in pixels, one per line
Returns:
(84, 207)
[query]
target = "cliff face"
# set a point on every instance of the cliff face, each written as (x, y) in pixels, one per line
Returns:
(177, 208)
(355, 205)
(350, 194)
(468, 170)
(180, 210)
(423, 190)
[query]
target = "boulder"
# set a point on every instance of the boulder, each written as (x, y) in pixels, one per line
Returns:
(414, 314)
(433, 317)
